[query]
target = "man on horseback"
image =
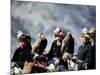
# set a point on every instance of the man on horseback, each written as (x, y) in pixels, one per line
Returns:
(55, 54)
(23, 52)
(84, 52)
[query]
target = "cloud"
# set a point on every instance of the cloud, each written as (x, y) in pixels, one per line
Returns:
(35, 17)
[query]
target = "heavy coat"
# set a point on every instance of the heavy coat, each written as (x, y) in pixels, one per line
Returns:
(84, 54)
(21, 55)
(55, 50)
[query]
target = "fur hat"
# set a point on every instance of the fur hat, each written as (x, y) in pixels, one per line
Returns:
(19, 33)
(57, 30)
(21, 36)
(85, 33)
(92, 30)
(84, 30)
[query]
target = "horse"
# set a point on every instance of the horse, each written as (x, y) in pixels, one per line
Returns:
(31, 67)
(68, 58)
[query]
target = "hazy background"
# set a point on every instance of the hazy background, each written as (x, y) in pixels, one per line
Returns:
(35, 17)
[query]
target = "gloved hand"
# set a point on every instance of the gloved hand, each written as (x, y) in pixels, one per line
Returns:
(56, 61)
(85, 66)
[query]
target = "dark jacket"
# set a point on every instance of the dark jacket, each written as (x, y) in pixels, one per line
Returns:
(21, 55)
(55, 50)
(93, 57)
(84, 54)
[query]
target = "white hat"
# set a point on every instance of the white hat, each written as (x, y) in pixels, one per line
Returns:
(19, 33)
(57, 30)
(84, 30)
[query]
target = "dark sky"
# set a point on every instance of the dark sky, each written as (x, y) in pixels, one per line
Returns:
(35, 17)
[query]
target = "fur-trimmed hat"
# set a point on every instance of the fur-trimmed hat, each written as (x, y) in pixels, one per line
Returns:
(85, 33)
(92, 30)
(21, 36)
(57, 30)
(84, 30)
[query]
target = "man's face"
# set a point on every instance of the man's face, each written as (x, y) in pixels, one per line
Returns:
(83, 40)
(59, 36)
(22, 44)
